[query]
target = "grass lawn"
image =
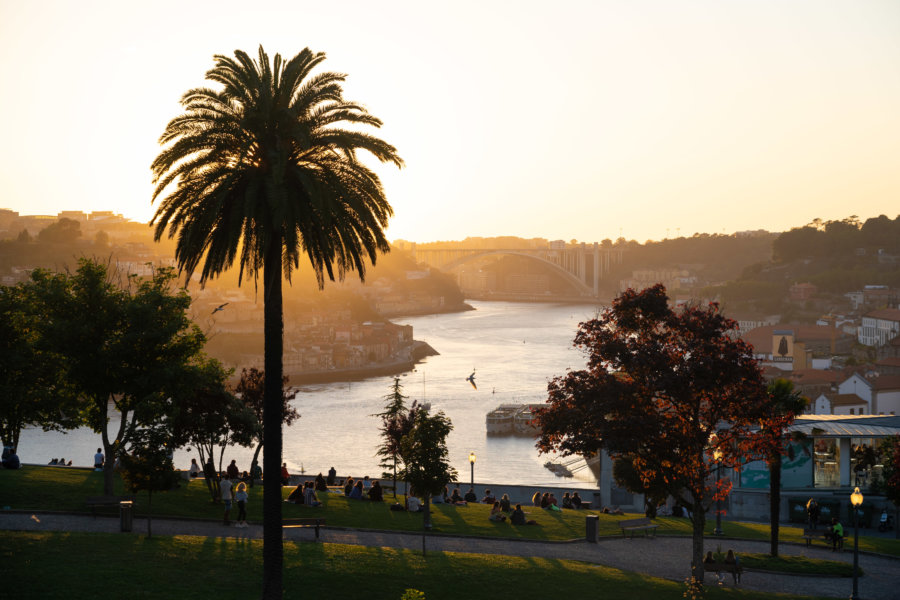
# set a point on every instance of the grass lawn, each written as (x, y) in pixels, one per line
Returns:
(798, 565)
(64, 489)
(70, 566)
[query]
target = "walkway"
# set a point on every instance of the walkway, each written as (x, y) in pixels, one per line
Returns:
(666, 557)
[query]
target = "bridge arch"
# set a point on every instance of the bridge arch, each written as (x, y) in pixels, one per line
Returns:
(555, 268)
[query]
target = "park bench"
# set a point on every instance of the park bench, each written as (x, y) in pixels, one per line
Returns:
(643, 524)
(819, 534)
(724, 567)
(96, 502)
(298, 523)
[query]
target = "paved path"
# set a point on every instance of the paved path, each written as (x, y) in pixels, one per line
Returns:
(666, 557)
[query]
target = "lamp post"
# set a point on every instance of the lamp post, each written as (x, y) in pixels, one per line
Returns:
(856, 499)
(472, 464)
(717, 455)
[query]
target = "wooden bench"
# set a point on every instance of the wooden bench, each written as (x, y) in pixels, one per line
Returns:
(296, 523)
(643, 524)
(819, 534)
(96, 502)
(724, 567)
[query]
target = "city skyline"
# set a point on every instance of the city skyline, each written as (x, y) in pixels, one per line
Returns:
(594, 120)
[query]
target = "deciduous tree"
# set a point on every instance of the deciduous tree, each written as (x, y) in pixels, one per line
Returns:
(33, 391)
(131, 348)
(670, 388)
(250, 390)
(425, 458)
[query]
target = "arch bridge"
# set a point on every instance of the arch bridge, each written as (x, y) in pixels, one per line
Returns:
(582, 265)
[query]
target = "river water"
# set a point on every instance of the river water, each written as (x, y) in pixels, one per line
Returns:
(514, 349)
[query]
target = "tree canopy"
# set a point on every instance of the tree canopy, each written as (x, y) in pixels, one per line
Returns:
(673, 389)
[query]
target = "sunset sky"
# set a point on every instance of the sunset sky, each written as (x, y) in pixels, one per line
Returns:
(584, 120)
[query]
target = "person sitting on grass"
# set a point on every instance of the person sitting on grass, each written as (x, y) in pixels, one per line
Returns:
(296, 496)
(194, 469)
(497, 513)
(536, 499)
(488, 497)
(376, 492)
(470, 496)
(455, 498)
(504, 503)
(309, 496)
(357, 492)
(321, 485)
(576, 500)
(413, 504)
(545, 500)
(567, 501)
(518, 517)
(348, 486)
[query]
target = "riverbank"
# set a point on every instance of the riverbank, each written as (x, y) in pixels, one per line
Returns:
(416, 353)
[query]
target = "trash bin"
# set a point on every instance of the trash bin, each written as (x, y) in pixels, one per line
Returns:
(592, 528)
(125, 514)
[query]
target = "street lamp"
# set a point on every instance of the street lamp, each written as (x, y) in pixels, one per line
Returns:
(856, 499)
(472, 464)
(717, 455)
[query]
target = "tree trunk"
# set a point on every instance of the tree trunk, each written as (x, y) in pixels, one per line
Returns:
(426, 521)
(774, 501)
(149, 511)
(255, 461)
(698, 517)
(273, 552)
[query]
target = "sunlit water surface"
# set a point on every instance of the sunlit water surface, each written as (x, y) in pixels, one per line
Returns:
(514, 348)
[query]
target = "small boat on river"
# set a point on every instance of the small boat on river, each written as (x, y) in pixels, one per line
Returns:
(512, 419)
(500, 420)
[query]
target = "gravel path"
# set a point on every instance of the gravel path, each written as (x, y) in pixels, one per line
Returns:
(666, 557)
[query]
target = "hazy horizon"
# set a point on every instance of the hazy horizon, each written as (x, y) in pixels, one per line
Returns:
(585, 120)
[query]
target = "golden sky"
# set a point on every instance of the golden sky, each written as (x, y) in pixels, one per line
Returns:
(562, 120)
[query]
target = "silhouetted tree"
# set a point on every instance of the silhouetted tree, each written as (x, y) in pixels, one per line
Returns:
(263, 170)
(425, 458)
(64, 231)
(251, 392)
(147, 466)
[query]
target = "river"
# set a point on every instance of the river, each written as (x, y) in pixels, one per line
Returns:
(514, 349)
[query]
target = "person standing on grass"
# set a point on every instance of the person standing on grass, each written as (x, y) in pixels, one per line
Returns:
(233, 471)
(241, 498)
(225, 490)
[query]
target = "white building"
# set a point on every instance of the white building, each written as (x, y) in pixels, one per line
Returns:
(879, 327)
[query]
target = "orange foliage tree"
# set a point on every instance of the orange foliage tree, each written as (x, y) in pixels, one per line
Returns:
(676, 390)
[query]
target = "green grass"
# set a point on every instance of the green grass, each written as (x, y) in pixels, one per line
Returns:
(798, 565)
(70, 566)
(59, 489)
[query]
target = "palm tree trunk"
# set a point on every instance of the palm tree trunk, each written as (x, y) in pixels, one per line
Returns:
(774, 501)
(273, 554)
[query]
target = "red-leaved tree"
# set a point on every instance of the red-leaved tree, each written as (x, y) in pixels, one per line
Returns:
(672, 389)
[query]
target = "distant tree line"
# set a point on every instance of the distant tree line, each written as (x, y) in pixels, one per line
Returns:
(833, 238)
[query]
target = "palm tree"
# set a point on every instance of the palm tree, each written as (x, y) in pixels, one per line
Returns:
(263, 170)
